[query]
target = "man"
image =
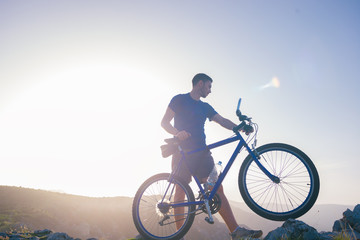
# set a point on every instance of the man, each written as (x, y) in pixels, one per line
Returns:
(189, 114)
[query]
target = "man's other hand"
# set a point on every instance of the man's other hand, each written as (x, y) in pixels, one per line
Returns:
(182, 135)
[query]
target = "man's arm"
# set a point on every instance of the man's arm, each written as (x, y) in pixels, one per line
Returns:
(224, 122)
(166, 124)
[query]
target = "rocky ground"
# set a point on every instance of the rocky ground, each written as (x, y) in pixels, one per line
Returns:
(37, 235)
(348, 227)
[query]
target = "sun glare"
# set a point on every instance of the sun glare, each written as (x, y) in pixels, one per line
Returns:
(84, 124)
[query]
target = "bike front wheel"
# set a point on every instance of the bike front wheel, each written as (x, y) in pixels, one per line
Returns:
(154, 214)
(292, 196)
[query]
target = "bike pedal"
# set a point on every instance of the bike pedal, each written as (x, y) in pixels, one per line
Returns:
(208, 220)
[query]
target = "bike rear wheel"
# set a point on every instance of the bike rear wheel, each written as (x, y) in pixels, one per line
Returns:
(153, 215)
(297, 190)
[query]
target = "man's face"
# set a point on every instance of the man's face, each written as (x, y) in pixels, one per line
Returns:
(205, 89)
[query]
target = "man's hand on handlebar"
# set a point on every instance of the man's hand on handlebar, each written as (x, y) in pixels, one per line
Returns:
(247, 129)
(182, 135)
(243, 127)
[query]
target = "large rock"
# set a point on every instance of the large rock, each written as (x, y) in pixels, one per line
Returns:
(59, 236)
(349, 225)
(353, 217)
(293, 229)
(341, 225)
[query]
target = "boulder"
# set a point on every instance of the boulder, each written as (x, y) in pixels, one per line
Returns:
(340, 225)
(350, 223)
(353, 217)
(59, 236)
(327, 235)
(293, 229)
(42, 232)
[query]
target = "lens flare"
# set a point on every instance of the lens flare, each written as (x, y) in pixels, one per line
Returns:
(273, 83)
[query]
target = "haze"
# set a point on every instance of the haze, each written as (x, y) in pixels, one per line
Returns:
(84, 85)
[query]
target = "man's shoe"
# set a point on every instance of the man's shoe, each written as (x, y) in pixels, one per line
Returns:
(243, 233)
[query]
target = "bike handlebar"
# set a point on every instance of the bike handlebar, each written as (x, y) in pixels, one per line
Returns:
(245, 121)
(238, 127)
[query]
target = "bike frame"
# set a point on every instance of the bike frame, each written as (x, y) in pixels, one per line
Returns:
(242, 143)
(153, 208)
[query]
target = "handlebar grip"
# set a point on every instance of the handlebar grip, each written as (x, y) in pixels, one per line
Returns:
(237, 128)
(238, 106)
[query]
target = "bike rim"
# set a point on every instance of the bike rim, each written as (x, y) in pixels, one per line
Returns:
(295, 187)
(149, 215)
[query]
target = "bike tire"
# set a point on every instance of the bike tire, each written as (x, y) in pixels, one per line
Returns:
(147, 215)
(297, 190)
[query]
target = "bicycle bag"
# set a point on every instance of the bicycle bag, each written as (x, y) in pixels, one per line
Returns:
(168, 149)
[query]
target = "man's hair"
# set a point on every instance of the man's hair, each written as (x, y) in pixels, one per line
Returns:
(201, 77)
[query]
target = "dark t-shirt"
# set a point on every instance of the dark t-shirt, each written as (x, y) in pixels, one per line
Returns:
(190, 115)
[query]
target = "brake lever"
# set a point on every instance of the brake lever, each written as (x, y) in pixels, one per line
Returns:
(244, 118)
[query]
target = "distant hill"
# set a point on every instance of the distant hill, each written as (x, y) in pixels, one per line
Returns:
(82, 217)
(110, 218)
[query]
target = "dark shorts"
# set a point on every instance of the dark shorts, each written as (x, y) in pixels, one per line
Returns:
(198, 164)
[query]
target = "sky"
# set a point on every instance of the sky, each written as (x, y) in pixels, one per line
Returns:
(84, 85)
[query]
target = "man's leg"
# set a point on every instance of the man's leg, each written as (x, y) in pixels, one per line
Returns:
(226, 212)
(179, 195)
(179, 211)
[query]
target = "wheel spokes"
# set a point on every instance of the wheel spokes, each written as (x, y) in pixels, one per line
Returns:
(294, 186)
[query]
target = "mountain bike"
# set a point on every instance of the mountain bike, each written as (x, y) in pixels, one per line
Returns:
(277, 181)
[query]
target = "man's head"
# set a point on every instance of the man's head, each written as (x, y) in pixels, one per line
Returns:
(201, 77)
(202, 84)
